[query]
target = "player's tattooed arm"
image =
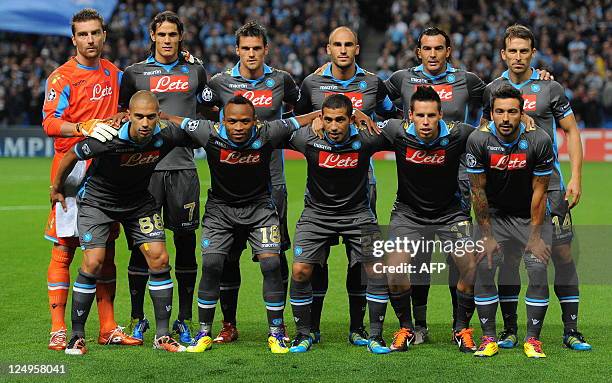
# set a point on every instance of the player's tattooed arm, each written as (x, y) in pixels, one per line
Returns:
(56, 192)
(481, 209)
(536, 244)
(480, 202)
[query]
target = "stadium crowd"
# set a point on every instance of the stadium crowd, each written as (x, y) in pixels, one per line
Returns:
(572, 39)
(578, 55)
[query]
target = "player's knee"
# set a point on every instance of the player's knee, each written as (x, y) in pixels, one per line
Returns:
(212, 263)
(158, 259)
(92, 262)
(269, 265)
(562, 254)
(301, 271)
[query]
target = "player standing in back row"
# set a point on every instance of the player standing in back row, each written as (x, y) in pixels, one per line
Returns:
(270, 90)
(369, 96)
(461, 93)
(84, 88)
(547, 103)
(174, 184)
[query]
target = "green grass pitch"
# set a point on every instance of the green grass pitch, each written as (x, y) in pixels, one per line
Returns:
(25, 319)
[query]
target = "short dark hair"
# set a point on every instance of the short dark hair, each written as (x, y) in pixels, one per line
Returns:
(338, 101)
(86, 14)
(507, 91)
(160, 18)
(434, 31)
(518, 31)
(240, 100)
(425, 93)
(252, 29)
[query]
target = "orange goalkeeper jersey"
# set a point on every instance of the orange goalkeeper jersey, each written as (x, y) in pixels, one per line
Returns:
(76, 93)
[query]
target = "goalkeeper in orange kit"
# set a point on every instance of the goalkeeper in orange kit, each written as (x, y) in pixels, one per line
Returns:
(84, 88)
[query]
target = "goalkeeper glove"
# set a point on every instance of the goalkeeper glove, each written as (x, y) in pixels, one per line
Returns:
(98, 129)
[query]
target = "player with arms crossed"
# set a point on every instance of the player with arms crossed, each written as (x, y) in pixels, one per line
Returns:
(428, 152)
(240, 207)
(115, 190)
(368, 95)
(85, 88)
(509, 172)
(270, 90)
(547, 103)
(175, 184)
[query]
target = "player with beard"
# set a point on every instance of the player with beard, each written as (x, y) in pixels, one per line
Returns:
(547, 104)
(509, 171)
(461, 93)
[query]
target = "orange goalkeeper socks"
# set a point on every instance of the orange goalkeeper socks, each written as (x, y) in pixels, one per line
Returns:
(58, 284)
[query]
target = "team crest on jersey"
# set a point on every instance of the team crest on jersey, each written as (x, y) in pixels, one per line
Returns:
(259, 98)
(444, 141)
(86, 149)
(363, 85)
(523, 145)
(87, 237)
(158, 143)
(426, 157)
(530, 102)
(451, 78)
(535, 88)
(256, 144)
(51, 96)
(297, 250)
(514, 161)
(270, 83)
(356, 145)
(184, 69)
(205, 242)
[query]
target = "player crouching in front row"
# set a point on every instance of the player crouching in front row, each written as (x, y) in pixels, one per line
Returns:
(509, 171)
(115, 190)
